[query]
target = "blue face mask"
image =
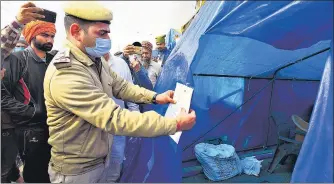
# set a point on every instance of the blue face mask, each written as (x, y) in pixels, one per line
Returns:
(101, 48)
(17, 49)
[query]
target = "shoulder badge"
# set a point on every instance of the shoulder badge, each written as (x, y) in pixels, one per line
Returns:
(62, 59)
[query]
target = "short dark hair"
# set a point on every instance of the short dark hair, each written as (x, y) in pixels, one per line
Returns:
(138, 44)
(69, 20)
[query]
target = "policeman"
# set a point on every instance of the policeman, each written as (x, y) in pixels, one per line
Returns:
(78, 88)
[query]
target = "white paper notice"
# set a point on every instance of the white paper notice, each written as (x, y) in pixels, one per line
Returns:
(182, 95)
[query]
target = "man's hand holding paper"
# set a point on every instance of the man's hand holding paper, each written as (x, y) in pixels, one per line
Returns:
(181, 110)
(186, 120)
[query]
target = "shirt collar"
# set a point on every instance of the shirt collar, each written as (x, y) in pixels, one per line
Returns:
(95, 59)
(78, 54)
(110, 61)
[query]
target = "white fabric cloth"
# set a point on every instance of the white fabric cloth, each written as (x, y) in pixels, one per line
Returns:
(153, 70)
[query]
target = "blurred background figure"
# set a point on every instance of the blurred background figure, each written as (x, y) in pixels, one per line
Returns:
(153, 68)
(21, 45)
(161, 54)
(119, 53)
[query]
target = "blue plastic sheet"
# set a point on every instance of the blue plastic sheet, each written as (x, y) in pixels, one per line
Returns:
(246, 57)
(283, 24)
(229, 55)
(167, 156)
(171, 38)
(315, 161)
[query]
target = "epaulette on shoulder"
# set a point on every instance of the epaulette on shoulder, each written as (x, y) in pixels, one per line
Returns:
(62, 59)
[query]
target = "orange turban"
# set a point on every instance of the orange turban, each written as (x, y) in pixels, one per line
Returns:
(34, 28)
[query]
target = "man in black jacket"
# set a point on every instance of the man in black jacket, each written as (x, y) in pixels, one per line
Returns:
(9, 38)
(24, 100)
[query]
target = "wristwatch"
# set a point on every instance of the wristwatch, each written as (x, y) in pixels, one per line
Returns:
(154, 100)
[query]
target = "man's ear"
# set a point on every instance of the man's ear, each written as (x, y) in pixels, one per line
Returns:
(75, 32)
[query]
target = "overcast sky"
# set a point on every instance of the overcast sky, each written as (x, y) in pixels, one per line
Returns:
(133, 20)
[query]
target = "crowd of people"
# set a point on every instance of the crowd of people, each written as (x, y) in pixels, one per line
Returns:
(67, 113)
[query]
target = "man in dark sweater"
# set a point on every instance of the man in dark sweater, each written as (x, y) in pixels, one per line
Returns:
(23, 97)
(9, 38)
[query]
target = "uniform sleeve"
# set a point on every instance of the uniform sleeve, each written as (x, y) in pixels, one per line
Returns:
(74, 90)
(130, 92)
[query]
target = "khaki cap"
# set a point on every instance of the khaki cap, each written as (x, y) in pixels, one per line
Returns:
(88, 10)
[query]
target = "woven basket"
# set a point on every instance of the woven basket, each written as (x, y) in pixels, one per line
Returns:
(219, 162)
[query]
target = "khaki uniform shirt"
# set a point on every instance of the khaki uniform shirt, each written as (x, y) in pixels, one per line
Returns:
(81, 111)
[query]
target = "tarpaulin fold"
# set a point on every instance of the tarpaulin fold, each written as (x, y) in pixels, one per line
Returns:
(230, 54)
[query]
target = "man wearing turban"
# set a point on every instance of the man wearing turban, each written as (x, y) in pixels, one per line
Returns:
(139, 73)
(161, 54)
(152, 68)
(10, 37)
(24, 102)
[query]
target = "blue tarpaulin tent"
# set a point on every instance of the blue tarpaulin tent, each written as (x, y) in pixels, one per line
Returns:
(315, 163)
(170, 38)
(252, 65)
